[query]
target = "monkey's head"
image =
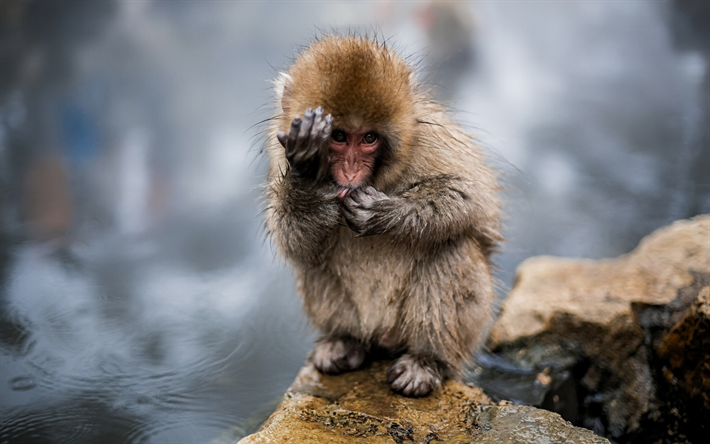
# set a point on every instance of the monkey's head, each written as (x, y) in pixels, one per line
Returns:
(369, 91)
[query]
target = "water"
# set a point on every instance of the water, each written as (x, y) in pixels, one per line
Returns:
(139, 301)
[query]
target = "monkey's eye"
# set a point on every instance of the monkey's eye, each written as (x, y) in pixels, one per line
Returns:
(370, 138)
(339, 136)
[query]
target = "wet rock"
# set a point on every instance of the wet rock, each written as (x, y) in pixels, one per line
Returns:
(359, 407)
(631, 333)
(686, 351)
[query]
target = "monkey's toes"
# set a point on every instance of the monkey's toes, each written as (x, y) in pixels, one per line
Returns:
(338, 355)
(413, 376)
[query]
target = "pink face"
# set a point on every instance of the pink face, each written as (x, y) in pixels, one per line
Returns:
(352, 157)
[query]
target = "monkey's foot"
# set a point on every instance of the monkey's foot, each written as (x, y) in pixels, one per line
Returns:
(413, 375)
(340, 355)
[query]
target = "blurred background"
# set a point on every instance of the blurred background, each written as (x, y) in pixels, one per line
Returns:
(139, 301)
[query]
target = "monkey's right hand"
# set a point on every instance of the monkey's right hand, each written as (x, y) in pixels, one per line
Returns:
(306, 145)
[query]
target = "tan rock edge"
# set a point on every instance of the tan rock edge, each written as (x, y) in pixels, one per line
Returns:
(686, 349)
(359, 407)
(600, 306)
(603, 310)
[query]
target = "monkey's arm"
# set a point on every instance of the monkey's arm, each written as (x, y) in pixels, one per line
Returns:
(432, 210)
(301, 220)
(303, 209)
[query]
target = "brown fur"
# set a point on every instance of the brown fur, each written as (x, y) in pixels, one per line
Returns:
(420, 279)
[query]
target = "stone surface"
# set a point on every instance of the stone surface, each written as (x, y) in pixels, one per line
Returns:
(359, 407)
(550, 291)
(686, 350)
(622, 321)
(619, 345)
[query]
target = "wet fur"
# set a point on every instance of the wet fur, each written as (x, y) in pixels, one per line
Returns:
(404, 264)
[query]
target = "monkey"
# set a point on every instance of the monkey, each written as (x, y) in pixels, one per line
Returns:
(385, 210)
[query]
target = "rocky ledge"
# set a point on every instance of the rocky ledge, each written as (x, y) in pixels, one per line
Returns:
(621, 345)
(359, 407)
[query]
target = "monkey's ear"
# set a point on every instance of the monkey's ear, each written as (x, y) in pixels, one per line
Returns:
(283, 85)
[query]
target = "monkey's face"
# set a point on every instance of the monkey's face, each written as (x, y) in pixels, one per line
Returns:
(352, 157)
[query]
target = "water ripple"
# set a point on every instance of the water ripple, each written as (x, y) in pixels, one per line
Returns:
(22, 383)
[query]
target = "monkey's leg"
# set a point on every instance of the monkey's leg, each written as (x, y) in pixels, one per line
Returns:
(338, 355)
(446, 308)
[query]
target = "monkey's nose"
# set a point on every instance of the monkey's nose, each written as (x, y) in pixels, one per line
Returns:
(349, 176)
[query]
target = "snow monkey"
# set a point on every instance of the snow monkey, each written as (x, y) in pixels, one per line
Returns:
(385, 210)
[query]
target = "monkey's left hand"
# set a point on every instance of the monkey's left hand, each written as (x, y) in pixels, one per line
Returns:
(364, 208)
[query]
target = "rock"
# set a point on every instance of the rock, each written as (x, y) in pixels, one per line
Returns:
(620, 346)
(686, 350)
(359, 407)
(626, 327)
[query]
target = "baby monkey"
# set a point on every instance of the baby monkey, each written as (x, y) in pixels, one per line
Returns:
(385, 210)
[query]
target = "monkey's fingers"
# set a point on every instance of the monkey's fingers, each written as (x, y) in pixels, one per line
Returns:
(352, 200)
(347, 212)
(323, 142)
(361, 198)
(318, 124)
(327, 129)
(357, 218)
(314, 137)
(350, 218)
(374, 192)
(292, 137)
(282, 138)
(303, 136)
(367, 198)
